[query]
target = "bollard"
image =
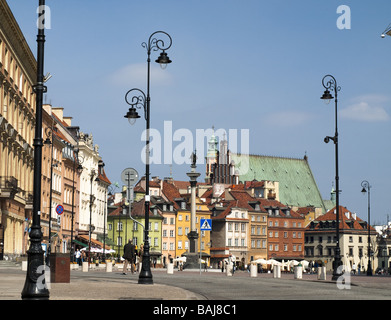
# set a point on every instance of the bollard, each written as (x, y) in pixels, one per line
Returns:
(85, 266)
(229, 270)
(277, 271)
(109, 266)
(253, 270)
(170, 268)
(298, 272)
(322, 273)
(24, 265)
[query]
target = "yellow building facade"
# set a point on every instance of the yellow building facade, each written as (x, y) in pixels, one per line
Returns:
(17, 124)
(183, 220)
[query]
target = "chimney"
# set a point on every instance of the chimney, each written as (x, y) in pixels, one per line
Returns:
(59, 112)
(68, 121)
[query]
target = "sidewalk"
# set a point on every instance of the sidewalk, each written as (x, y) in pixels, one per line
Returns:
(93, 285)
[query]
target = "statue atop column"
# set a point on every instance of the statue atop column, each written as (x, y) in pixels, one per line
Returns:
(192, 256)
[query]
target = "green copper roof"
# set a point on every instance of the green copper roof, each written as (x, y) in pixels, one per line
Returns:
(296, 182)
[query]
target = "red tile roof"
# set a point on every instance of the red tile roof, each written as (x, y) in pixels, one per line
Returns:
(347, 219)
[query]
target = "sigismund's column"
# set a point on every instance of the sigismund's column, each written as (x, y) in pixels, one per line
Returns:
(192, 256)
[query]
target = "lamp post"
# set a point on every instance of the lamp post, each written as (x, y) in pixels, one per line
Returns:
(35, 286)
(92, 199)
(138, 101)
(79, 169)
(366, 186)
(51, 143)
(329, 83)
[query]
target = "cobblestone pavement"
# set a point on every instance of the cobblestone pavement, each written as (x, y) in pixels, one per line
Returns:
(97, 284)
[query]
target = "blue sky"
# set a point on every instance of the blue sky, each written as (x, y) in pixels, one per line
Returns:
(250, 64)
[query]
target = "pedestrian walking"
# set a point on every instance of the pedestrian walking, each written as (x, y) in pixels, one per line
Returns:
(128, 256)
(354, 268)
(83, 256)
(140, 258)
(78, 256)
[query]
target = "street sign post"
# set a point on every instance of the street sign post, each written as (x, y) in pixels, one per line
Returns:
(129, 176)
(205, 225)
(60, 209)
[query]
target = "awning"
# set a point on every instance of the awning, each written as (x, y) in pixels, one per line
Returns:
(94, 242)
(80, 243)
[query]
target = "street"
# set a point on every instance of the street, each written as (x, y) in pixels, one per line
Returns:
(196, 285)
(217, 286)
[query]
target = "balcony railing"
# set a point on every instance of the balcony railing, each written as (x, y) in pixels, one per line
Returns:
(8, 186)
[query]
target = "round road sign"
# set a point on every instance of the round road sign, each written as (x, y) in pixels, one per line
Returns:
(60, 209)
(129, 176)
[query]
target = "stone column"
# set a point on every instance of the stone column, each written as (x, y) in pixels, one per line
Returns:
(192, 257)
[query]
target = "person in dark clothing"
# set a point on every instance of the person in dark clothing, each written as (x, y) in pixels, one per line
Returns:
(129, 255)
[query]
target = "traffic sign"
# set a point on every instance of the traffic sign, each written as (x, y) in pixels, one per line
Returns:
(206, 224)
(60, 209)
(129, 176)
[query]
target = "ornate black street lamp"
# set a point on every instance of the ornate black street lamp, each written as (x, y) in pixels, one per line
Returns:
(137, 101)
(35, 286)
(79, 170)
(366, 186)
(48, 141)
(330, 84)
(92, 199)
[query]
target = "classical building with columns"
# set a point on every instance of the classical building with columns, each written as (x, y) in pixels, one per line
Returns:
(17, 121)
